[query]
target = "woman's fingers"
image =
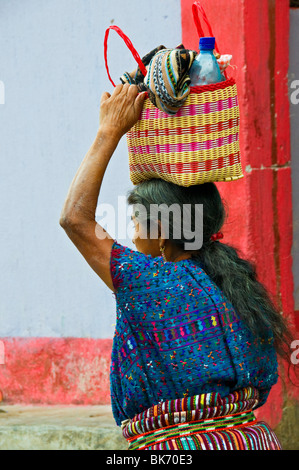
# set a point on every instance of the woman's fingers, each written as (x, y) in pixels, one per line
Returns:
(130, 90)
(117, 90)
(139, 101)
(123, 109)
(105, 96)
(120, 90)
(133, 91)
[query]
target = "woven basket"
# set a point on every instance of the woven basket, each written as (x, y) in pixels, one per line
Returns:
(199, 144)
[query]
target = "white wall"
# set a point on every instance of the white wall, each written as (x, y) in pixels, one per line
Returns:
(52, 72)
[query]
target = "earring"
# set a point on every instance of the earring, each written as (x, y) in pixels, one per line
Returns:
(162, 249)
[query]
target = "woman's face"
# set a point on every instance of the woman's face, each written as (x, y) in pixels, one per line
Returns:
(148, 246)
(142, 241)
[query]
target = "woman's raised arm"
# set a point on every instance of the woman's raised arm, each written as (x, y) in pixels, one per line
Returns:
(118, 113)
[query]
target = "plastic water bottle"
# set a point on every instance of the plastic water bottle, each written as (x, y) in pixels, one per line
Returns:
(205, 69)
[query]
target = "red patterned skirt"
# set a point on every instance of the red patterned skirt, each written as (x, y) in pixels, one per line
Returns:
(202, 422)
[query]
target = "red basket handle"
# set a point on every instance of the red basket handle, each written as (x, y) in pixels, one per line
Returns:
(130, 46)
(198, 11)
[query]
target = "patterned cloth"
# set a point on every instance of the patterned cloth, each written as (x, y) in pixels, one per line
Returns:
(203, 422)
(224, 61)
(167, 81)
(178, 336)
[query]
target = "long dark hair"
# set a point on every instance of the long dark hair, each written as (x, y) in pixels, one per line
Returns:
(235, 276)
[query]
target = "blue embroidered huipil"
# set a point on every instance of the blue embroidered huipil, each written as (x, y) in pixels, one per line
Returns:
(178, 336)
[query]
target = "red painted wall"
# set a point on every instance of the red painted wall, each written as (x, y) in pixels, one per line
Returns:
(56, 371)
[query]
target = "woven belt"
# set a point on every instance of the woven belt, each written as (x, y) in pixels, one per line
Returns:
(194, 427)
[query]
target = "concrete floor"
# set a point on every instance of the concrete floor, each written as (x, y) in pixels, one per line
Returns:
(59, 428)
(30, 427)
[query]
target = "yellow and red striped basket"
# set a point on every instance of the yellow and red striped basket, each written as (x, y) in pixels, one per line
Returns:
(199, 144)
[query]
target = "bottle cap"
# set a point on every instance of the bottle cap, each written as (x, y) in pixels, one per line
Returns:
(206, 44)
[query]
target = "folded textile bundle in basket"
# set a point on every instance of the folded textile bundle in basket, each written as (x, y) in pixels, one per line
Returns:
(167, 80)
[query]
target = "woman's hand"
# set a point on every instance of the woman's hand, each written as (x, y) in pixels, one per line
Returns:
(121, 110)
(118, 114)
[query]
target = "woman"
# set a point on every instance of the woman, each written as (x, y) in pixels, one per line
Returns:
(197, 336)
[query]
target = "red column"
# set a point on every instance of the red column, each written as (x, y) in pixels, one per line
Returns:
(256, 33)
